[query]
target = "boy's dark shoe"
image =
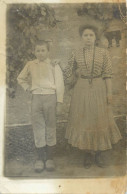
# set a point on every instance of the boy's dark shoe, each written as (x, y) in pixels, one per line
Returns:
(39, 166)
(50, 165)
(88, 160)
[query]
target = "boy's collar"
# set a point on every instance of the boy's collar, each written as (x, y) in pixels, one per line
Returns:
(45, 61)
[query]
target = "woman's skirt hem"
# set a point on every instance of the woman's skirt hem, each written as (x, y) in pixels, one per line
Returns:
(92, 148)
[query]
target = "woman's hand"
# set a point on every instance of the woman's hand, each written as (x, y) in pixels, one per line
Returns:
(109, 90)
(55, 62)
(109, 99)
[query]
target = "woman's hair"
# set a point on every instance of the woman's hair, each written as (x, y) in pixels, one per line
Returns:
(42, 42)
(90, 27)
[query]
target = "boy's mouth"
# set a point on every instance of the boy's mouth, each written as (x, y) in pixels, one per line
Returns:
(41, 57)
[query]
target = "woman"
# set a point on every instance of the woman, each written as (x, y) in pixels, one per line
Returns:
(91, 126)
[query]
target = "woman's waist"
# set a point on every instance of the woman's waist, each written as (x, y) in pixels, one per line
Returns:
(97, 81)
(90, 76)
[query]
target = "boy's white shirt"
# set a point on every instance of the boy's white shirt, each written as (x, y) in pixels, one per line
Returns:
(46, 78)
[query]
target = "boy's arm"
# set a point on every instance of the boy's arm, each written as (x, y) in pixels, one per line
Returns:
(23, 78)
(59, 82)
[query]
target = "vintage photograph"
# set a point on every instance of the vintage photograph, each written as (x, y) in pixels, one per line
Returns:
(65, 111)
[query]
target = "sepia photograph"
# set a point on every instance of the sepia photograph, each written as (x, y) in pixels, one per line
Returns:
(65, 112)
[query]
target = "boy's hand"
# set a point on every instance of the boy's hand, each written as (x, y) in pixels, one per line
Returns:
(11, 92)
(109, 99)
(59, 108)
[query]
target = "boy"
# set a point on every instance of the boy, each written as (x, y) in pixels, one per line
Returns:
(47, 88)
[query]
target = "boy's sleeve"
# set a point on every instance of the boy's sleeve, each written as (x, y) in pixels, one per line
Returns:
(107, 65)
(23, 78)
(59, 82)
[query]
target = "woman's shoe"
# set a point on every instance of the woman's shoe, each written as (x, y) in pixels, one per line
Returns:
(99, 160)
(88, 160)
(50, 165)
(39, 166)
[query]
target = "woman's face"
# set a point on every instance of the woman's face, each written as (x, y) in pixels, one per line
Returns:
(88, 37)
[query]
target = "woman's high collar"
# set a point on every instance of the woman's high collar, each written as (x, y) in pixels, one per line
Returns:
(89, 47)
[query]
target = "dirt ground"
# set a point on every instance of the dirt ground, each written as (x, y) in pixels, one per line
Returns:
(20, 156)
(67, 166)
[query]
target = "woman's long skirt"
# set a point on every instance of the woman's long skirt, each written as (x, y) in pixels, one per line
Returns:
(91, 125)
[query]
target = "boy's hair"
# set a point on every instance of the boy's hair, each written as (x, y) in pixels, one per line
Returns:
(42, 42)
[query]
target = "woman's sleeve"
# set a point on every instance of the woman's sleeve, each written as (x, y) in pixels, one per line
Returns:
(107, 65)
(71, 67)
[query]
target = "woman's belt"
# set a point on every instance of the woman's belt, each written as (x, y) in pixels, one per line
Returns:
(90, 77)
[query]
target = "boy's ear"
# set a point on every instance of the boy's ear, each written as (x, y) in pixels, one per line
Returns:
(33, 51)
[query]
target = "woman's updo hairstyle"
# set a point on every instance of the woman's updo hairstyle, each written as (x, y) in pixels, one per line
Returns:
(89, 27)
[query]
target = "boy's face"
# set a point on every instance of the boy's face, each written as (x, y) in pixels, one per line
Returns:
(41, 52)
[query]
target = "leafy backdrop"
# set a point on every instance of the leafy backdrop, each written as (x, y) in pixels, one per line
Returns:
(24, 21)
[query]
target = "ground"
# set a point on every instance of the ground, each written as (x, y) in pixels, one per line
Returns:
(67, 166)
(20, 156)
